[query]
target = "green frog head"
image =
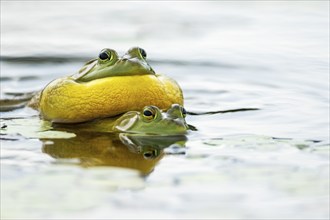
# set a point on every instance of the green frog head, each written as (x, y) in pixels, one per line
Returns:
(109, 64)
(151, 120)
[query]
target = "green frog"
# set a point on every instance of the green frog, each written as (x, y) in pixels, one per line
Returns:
(151, 120)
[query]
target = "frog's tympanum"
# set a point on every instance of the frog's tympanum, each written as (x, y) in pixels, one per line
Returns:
(108, 86)
(151, 120)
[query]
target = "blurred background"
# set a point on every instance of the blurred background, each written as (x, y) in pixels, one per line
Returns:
(270, 55)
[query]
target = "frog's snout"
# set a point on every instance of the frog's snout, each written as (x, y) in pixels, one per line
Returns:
(129, 61)
(121, 60)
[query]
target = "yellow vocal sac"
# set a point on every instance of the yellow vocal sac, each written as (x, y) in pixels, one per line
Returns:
(66, 101)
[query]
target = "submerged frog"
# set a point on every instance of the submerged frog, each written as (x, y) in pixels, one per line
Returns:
(107, 86)
(151, 120)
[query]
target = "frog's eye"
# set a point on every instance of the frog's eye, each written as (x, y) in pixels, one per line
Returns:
(143, 53)
(149, 113)
(105, 55)
(150, 154)
(184, 112)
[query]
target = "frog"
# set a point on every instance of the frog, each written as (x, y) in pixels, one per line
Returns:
(151, 120)
(107, 86)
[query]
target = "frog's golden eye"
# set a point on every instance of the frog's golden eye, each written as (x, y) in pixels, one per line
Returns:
(143, 53)
(149, 114)
(105, 55)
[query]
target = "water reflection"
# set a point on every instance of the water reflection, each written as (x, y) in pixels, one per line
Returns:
(120, 150)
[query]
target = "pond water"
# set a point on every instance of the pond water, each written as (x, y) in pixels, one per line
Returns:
(259, 164)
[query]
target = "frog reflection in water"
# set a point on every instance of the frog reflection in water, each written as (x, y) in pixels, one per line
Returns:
(139, 152)
(151, 120)
(107, 86)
